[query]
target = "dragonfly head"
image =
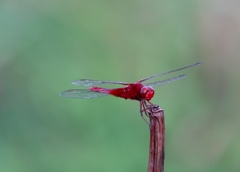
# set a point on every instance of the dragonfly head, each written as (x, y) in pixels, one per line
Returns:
(147, 92)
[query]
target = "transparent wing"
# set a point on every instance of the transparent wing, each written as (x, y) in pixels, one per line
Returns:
(166, 81)
(81, 94)
(161, 74)
(90, 82)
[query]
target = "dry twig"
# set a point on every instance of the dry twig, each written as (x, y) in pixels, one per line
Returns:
(157, 139)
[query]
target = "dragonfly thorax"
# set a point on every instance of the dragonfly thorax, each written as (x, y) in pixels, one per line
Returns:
(147, 92)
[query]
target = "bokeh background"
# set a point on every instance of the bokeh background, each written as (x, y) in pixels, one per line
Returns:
(44, 45)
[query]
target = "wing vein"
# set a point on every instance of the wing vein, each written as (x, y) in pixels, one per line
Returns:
(175, 70)
(90, 82)
(81, 94)
(166, 81)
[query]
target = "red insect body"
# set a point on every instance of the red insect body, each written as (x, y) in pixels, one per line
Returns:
(135, 91)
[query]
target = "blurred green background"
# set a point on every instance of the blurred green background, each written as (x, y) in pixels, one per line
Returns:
(44, 45)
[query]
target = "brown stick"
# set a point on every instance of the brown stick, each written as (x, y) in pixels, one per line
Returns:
(157, 139)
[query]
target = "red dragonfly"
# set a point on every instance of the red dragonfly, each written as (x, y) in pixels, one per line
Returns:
(134, 91)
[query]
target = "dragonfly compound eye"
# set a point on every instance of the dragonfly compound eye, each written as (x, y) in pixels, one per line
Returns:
(147, 92)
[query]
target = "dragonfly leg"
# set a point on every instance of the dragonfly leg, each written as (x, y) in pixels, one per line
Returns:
(145, 105)
(143, 109)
